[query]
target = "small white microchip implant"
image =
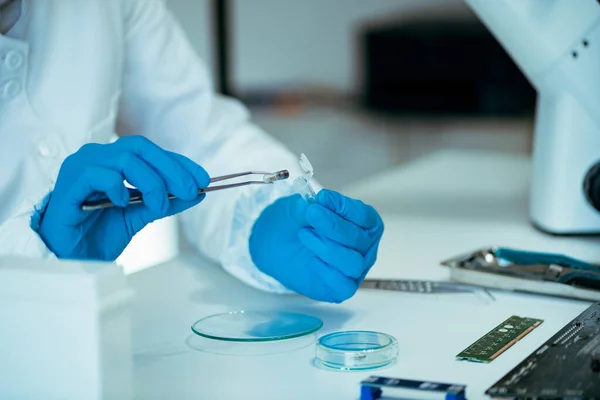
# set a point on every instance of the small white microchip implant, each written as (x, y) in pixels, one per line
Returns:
(302, 183)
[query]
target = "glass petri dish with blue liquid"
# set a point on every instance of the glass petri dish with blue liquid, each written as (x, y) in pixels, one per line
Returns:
(356, 350)
(256, 326)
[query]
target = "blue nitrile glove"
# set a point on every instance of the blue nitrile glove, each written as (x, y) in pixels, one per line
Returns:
(322, 250)
(98, 171)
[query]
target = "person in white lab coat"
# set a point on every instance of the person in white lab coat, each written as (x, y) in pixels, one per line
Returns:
(73, 73)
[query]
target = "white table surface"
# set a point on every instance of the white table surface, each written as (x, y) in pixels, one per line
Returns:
(428, 217)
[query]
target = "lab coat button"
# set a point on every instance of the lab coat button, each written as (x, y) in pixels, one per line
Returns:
(46, 150)
(11, 89)
(13, 60)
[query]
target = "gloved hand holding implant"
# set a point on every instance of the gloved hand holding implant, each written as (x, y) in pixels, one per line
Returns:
(318, 245)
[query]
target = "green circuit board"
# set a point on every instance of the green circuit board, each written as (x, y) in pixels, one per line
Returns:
(499, 339)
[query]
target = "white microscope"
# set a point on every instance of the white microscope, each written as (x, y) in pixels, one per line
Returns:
(556, 43)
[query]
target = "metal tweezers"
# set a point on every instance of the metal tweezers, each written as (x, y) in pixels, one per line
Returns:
(424, 287)
(135, 196)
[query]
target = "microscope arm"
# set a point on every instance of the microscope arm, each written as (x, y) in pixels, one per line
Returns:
(556, 43)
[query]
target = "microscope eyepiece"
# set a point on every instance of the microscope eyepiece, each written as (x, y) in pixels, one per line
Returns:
(591, 186)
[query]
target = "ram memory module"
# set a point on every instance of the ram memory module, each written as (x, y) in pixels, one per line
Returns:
(499, 339)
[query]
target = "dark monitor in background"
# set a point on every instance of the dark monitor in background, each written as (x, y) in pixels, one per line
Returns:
(447, 68)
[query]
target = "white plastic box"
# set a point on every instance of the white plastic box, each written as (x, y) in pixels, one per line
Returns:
(65, 330)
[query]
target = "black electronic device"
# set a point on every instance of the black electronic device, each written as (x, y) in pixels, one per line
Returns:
(441, 67)
(565, 367)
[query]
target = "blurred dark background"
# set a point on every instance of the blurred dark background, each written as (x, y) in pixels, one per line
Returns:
(444, 68)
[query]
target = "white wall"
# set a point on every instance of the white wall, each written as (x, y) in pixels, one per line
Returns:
(195, 18)
(298, 42)
(280, 42)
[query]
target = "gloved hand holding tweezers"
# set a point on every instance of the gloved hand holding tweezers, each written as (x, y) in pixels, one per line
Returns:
(88, 215)
(135, 196)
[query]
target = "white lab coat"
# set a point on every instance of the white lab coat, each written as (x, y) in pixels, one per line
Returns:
(73, 72)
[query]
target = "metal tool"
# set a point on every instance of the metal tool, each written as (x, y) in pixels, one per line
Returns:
(135, 196)
(425, 287)
(530, 265)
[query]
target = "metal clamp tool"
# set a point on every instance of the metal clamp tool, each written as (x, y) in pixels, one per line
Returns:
(526, 271)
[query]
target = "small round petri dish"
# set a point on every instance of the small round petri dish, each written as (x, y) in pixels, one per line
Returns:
(256, 326)
(356, 350)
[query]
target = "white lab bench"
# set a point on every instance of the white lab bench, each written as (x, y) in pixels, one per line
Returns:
(440, 206)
